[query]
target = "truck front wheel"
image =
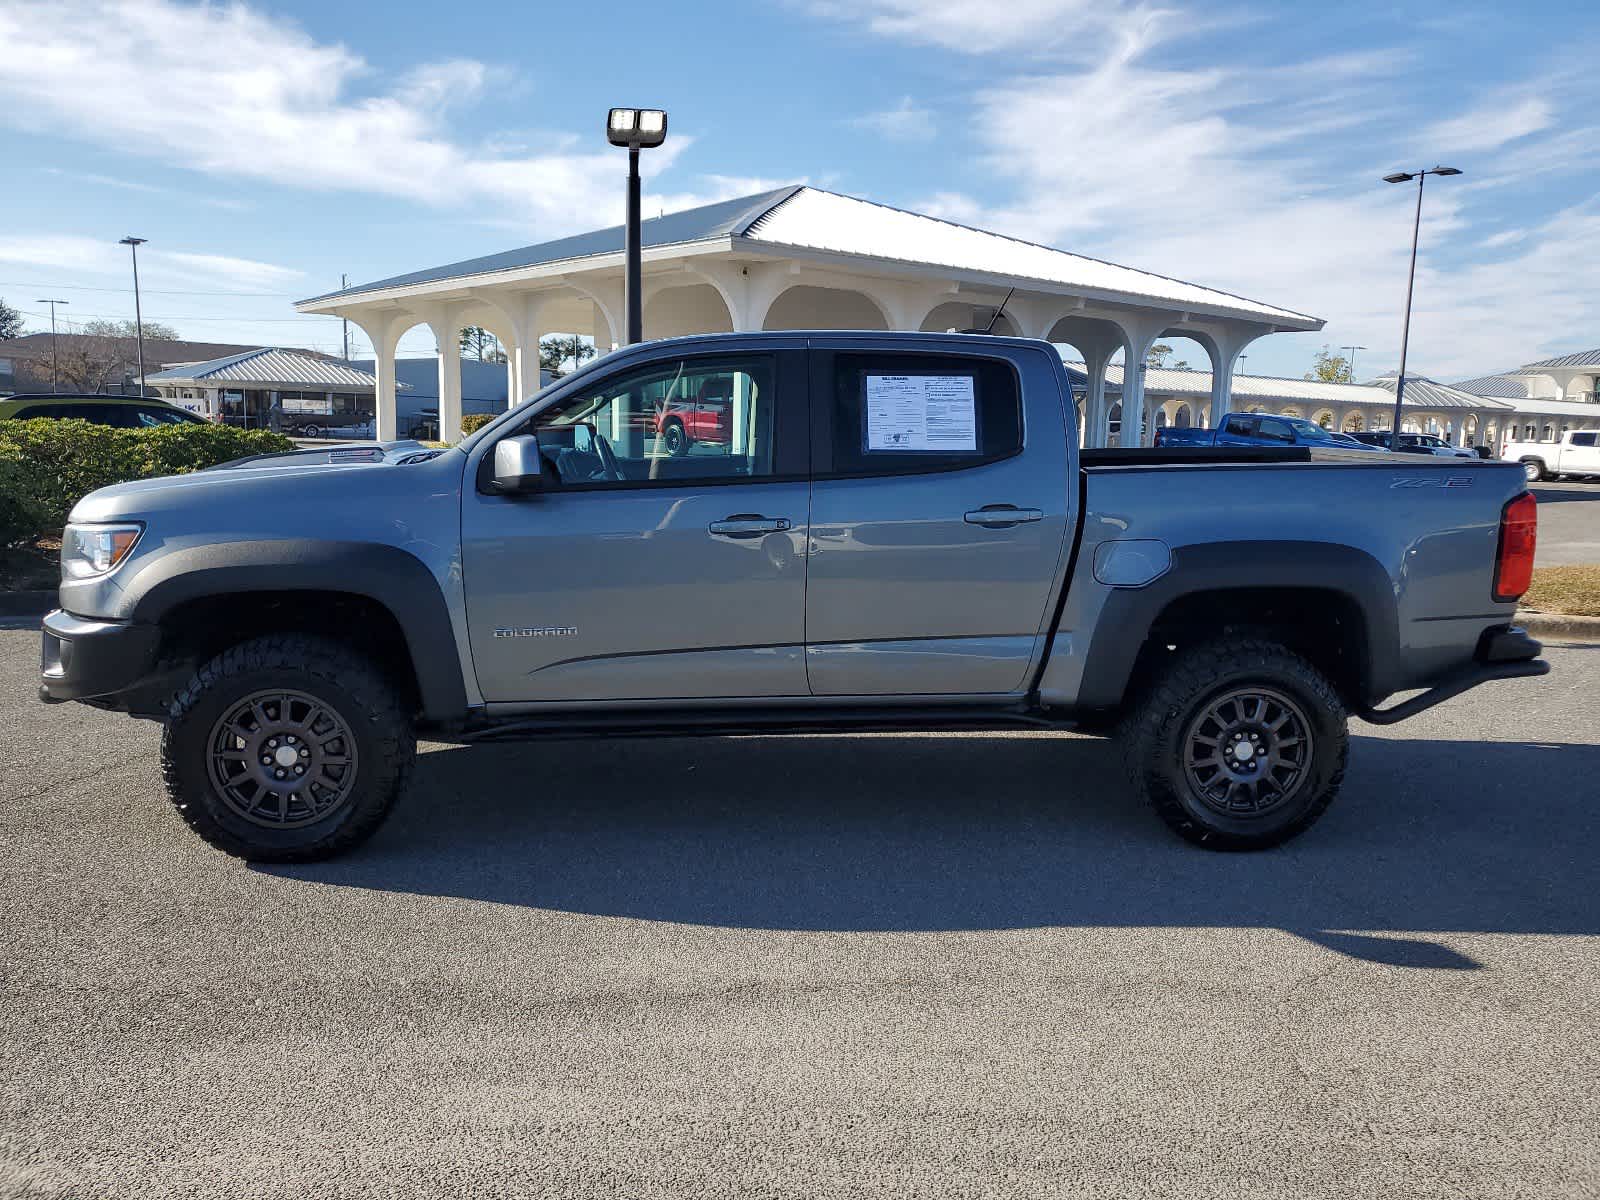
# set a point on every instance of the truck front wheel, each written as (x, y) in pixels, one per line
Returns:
(1239, 744)
(287, 748)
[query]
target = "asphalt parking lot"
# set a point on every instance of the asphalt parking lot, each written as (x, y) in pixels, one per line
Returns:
(1569, 522)
(830, 966)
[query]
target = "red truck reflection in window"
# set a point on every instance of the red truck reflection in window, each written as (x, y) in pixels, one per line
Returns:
(707, 418)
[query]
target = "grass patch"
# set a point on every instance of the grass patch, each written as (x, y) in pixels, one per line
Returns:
(1571, 590)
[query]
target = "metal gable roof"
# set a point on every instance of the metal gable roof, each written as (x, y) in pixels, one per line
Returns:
(813, 219)
(1502, 387)
(808, 218)
(723, 219)
(1425, 393)
(270, 365)
(1583, 358)
(1247, 389)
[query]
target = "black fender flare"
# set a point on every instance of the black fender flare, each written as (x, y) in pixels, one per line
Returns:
(1129, 614)
(387, 575)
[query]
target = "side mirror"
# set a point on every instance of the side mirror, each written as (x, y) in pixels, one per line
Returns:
(518, 467)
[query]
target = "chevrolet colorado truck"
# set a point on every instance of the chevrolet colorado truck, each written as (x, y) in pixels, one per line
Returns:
(899, 531)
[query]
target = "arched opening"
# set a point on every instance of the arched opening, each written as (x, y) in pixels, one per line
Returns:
(1082, 341)
(1549, 434)
(1114, 425)
(957, 315)
(1181, 419)
(1355, 423)
(1469, 429)
(1161, 418)
(1326, 418)
(1291, 410)
(806, 307)
(692, 308)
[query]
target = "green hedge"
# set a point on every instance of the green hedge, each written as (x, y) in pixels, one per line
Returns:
(22, 516)
(473, 422)
(47, 466)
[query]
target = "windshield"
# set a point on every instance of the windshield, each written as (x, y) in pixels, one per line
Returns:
(1308, 431)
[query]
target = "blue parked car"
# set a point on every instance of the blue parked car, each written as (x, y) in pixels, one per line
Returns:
(1258, 429)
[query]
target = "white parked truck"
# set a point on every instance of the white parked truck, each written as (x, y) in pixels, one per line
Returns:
(1577, 453)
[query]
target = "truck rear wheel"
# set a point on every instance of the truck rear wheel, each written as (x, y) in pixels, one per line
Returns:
(1240, 744)
(1533, 468)
(287, 748)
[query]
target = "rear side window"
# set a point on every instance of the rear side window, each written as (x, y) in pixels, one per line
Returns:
(896, 414)
(1240, 426)
(98, 414)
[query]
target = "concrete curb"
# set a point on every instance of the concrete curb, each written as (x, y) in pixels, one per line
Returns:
(33, 603)
(1559, 625)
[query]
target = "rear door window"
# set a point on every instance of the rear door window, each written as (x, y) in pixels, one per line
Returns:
(1584, 439)
(902, 414)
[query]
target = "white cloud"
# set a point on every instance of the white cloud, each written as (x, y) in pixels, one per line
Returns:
(1067, 27)
(1490, 125)
(285, 109)
(158, 268)
(1263, 180)
(905, 122)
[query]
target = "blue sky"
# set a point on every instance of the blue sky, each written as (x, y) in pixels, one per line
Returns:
(266, 148)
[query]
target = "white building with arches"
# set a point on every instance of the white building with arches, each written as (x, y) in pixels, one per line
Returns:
(803, 258)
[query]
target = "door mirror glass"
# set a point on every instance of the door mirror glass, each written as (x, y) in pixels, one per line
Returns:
(518, 469)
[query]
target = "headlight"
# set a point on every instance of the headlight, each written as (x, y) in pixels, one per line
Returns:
(91, 550)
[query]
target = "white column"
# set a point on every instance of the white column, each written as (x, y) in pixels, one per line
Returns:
(448, 335)
(383, 330)
(1138, 337)
(1096, 411)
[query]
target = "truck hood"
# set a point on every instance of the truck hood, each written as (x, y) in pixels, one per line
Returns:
(298, 473)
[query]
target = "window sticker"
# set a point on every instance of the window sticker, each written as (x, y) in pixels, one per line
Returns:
(921, 413)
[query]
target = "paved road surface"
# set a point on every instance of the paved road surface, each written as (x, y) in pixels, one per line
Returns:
(891, 966)
(1569, 523)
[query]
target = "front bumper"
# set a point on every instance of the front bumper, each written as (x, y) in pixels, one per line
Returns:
(82, 659)
(1505, 652)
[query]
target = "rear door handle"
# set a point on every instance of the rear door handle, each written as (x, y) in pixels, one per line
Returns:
(1002, 516)
(749, 525)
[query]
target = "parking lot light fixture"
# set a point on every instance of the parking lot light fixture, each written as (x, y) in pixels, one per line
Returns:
(55, 365)
(133, 244)
(1411, 280)
(635, 129)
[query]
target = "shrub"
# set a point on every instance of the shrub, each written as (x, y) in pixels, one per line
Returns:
(473, 422)
(66, 460)
(22, 516)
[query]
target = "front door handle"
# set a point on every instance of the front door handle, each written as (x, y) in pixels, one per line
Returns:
(1002, 516)
(749, 525)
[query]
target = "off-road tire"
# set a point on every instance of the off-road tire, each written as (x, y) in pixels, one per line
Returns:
(1153, 734)
(350, 684)
(676, 438)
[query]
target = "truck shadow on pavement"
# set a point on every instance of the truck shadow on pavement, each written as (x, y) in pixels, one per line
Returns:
(915, 833)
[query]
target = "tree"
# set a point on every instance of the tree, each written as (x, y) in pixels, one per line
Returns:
(10, 322)
(477, 342)
(154, 331)
(1156, 357)
(1331, 368)
(557, 349)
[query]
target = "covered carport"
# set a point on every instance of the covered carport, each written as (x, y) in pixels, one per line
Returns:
(804, 258)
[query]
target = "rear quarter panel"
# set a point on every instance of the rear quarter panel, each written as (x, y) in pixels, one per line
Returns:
(1431, 526)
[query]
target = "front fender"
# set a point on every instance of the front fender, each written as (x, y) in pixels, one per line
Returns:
(387, 575)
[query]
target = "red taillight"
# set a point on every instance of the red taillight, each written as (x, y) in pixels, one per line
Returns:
(1519, 531)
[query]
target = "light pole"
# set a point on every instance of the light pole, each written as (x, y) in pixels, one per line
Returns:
(636, 129)
(1350, 362)
(133, 244)
(55, 369)
(1411, 280)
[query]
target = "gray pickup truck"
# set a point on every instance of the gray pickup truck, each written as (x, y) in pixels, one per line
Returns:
(852, 532)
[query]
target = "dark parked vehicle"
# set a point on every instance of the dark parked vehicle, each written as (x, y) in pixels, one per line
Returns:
(1257, 429)
(1416, 443)
(902, 534)
(121, 412)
